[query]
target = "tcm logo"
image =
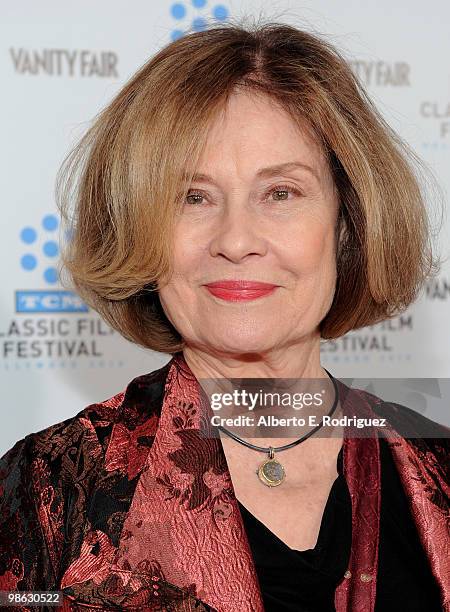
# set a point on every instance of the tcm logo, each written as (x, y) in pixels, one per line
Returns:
(39, 258)
(49, 301)
(198, 19)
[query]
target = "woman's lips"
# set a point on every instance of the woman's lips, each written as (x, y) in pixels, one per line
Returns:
(238, 291)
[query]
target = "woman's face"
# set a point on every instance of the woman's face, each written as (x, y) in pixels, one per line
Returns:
(254, 218)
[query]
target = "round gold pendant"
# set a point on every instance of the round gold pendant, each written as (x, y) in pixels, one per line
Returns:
(271, 472)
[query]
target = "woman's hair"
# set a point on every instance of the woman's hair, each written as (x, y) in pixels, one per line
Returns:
(120, 188)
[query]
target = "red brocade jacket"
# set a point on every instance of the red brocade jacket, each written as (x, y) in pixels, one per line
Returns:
(126, 507)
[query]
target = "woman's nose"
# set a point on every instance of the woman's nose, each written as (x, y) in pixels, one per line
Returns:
(237, 234)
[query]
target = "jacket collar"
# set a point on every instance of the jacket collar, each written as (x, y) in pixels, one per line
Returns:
(164, 524)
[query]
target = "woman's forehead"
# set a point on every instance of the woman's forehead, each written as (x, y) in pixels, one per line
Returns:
(257, 132)
(245, 110)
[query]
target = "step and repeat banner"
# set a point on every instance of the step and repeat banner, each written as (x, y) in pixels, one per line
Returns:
(62, 62)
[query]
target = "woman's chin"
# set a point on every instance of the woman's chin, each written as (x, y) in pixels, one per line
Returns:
(240, 346)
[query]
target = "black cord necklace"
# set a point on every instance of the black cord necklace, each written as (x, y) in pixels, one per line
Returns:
(271, 472)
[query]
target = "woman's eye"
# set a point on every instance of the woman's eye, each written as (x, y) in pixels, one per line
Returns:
(282, 192)
(195, 195)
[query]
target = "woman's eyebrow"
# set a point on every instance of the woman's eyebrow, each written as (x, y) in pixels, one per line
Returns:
(266, 172)
(270, 171)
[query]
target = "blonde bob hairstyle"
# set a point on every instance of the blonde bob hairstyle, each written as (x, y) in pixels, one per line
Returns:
(119, 190)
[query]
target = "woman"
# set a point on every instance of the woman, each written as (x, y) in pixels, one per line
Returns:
(238, 201)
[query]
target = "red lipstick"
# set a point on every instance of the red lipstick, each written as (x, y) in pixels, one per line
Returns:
(239, 290)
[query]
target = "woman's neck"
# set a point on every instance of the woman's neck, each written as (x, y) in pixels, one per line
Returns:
(297, 361)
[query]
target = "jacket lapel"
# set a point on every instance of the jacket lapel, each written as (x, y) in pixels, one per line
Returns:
(422, 476)
(361, 466)
(173, 535)
(184, 513)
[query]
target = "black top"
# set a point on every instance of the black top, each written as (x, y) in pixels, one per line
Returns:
(305, 581)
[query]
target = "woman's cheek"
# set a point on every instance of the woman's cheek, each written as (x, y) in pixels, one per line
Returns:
(307, 249)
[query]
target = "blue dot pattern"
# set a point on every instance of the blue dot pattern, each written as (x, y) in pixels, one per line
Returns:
(220, 12)
(28, 235)
(28, 262)
(51, 275)
(179, 10)
(50, 248)
(198, 24)
(50, 222)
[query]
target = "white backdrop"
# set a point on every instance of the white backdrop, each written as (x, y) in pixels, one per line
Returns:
(62, 62)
